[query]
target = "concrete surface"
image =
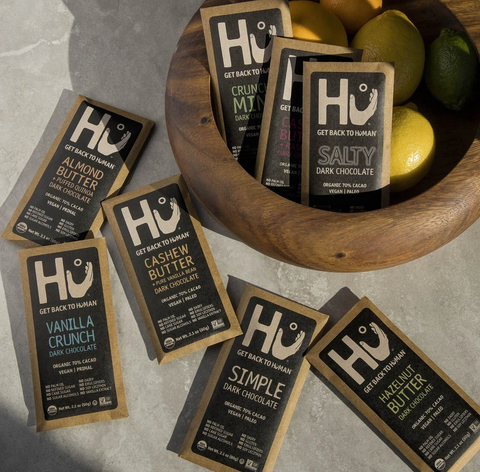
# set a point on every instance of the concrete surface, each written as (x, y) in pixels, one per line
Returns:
(118, 51)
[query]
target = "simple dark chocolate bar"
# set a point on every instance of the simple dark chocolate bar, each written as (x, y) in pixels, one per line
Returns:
(239, 45)
(89, 160)
(346, 135)
(251, 394)
(77, 377)
(176, 282)
(279, 157)
(434, 423)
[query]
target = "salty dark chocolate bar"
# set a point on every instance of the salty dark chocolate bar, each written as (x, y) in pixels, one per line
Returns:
(346, 135)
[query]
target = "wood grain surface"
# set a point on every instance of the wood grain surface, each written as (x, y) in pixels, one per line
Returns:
(418, 221)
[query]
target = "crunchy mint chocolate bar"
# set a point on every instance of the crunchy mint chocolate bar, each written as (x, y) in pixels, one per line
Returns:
(239, 46)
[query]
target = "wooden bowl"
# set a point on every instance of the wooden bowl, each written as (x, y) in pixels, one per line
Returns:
(418, 221)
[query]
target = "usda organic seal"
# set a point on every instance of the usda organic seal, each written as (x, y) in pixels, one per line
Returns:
(201, 445)
(52, 410)
(21, 227)
(169, 343)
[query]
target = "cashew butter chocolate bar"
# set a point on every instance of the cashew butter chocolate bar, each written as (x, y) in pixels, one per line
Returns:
(279, 158)
(346, 135)
(238, 38)
(89, 160)
(77, 377)
(251, 394)
(176, 282)
(413, 403)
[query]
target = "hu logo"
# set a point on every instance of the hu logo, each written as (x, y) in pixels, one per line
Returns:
(370, 355)
(250, 50)
(101, 134)
(156, 224)
(291, 77)
(63, 280)
(273, 335)
(348, 107)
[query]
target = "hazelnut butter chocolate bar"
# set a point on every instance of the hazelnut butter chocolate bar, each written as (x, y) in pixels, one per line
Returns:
(279, 157)
(254, 387)
(76, 372)
(238, 38)
(176, 282)
(346, 135)
(89, 160)
(414, 404)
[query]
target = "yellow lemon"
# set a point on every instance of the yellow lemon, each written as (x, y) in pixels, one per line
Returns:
(392, 37)
(312, 22)
(412, 148)
(353, 14)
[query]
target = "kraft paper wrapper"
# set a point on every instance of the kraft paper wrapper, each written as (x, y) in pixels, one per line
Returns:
(162, 356)
(279, 44)
(117, 184)
(360, 405)
(233, 8)
(121, 410)
(251, 291)
(384, 67)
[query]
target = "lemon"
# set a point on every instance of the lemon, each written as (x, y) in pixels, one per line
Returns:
(392, 37)
(353, 14)
(312, 22)
(412, 148)
(452, 69)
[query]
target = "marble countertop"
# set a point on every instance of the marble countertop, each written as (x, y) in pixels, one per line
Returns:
(118, 52)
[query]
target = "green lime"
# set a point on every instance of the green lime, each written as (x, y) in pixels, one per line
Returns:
(452, 69)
